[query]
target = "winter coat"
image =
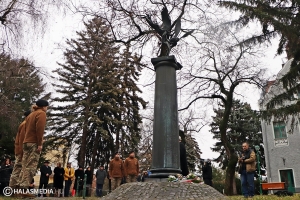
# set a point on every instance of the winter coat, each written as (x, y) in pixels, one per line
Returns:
(116, 168)
(5, 172)
(35, 127)
(207, 171)
(45, 170)
(58, 179)
(19, 139)
(100, 176)
(79, 181)
(89, 176)
(69, 173)
(183, 160)
(131, 166)
(250, 161)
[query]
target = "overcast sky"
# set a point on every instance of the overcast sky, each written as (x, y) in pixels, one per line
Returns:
(48, 51)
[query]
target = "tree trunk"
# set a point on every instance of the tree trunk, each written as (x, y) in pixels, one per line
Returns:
(95, 148)
(117, 140)
(232, 157)
(234, 187)
(230, 186)
(82, 152)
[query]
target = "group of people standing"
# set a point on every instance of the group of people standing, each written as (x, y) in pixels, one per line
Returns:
(28, 146)
(119, 169)
(29, 143)
(66, 176)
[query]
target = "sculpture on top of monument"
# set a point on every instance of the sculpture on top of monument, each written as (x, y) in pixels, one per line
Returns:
(167, 32)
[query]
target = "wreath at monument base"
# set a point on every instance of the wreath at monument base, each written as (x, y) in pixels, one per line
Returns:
(190, 178)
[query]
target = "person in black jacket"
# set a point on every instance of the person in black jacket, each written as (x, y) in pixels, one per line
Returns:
(183, 160)
(79, 176)
(58, 179)
(45, 173)
(89, 180)
(5, 172)
(207, 173)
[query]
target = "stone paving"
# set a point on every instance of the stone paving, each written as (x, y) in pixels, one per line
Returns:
(154, 190)
(164, 191)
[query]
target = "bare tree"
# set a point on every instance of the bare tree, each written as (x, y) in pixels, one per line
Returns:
(145, 145)
(129, 20)
(19, 17)
(191, 125)
(215, 68)
(221, 69)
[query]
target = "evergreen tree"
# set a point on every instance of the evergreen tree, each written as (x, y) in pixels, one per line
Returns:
(99, 107)
(193, 152)
(20, 86)
(243, 125)
(276, 18)
(145, 146)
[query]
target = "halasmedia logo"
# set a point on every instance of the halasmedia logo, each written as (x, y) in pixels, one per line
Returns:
(8, 191)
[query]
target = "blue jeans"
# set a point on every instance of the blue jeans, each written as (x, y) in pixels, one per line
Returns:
(247, 180)
(99, 190)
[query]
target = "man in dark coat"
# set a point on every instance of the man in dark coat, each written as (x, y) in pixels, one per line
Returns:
(100, 178)
(207, 173)
(45, 173)
(58, 179)
(89, 180)
(5, 172)
(183, 161)
(79, 176)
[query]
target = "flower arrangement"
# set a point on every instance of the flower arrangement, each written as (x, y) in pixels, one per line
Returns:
(172, 178)
(191, 178)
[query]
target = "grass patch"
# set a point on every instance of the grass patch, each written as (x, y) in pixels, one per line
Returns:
(267, 197)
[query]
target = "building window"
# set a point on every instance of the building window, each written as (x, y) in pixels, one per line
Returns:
(279, 130)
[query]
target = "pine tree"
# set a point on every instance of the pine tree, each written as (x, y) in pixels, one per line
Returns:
(20, 87)
(276, 18)
(193, 152)
(99, 109)
(243, 125)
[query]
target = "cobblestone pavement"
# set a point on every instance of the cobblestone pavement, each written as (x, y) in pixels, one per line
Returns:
(154, 190)
(164, 191)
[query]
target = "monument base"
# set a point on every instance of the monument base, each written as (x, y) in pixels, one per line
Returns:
(163, 172)
(150, 179)
(164, 190)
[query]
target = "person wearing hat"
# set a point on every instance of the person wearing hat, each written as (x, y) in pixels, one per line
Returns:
(131, 168)
(33, 141)
(116, 171)
(16, 174)
(45, 173)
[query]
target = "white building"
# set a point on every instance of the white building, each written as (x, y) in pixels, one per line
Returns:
(282, 149)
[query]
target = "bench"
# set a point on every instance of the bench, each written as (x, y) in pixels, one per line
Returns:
(273, 186)
(277, 186)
